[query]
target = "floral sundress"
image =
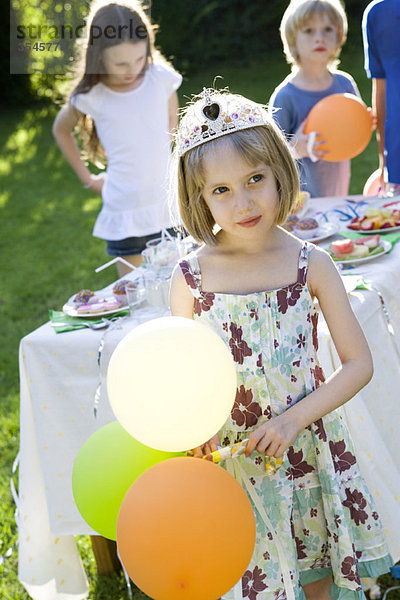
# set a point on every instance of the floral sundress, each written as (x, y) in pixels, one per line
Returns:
(314, 515)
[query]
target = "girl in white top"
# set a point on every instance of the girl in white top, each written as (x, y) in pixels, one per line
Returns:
(126, 105)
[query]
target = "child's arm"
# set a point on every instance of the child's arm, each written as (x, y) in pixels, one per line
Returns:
(180, 298)
(181, 304)
(63, 127)
(276, 435)
(379, 109)
(173, 105)
(282, 110)
(300, 144)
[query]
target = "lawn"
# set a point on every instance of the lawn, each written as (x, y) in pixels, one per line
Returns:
(47, 252)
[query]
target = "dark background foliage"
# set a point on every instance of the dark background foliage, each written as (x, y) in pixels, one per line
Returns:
(192, 33)
(202, 31)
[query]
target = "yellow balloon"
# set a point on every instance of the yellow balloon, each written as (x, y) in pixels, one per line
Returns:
(171, 383)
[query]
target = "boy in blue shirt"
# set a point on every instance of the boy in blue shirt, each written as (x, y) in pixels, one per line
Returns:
(313, 33)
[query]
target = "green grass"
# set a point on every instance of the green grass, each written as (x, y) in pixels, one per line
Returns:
(47, 251)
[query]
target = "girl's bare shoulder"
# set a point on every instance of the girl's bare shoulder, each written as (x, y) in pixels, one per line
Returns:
(322, 272)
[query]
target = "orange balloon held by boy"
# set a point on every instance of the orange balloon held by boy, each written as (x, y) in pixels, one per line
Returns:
(344, 123)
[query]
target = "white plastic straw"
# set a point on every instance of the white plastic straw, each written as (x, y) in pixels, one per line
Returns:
(114, 260)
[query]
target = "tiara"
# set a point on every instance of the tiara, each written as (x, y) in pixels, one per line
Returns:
(214, 115)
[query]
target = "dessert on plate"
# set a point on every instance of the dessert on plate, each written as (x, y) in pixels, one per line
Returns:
(376, 218)
(306, 229)
(347, 249)
(291, 222)
(102, 305)
(119, 291)
(85, 297)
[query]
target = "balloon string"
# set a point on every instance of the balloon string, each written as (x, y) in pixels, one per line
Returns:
(287, 580)
(389, 325)
(116, 324)
(310, 144)
(237, 471)
(127, 579)
(225, 452)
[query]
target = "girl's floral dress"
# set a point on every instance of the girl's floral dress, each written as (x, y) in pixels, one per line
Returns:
(314, 515)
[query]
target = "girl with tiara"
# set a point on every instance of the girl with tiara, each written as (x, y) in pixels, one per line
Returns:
(257, 285)
(125, 101)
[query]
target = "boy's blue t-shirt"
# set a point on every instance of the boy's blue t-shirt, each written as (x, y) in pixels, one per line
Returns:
(381, 34)
(290, 106)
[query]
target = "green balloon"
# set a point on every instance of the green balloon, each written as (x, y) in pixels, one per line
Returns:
(106, 466)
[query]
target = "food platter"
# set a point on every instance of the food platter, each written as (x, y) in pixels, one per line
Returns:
(70, 308)
(373, 231)
(377, 220)
(387, 246)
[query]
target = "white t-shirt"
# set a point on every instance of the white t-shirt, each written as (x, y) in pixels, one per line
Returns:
(133, 130)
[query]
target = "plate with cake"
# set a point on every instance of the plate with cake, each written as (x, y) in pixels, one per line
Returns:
(87, 303)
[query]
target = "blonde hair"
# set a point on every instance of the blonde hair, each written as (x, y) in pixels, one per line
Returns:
(297, 15)
(262, 144)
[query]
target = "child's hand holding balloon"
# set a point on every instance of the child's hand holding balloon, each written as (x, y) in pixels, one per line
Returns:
(274, 436)
(307, 145)
(213, 444)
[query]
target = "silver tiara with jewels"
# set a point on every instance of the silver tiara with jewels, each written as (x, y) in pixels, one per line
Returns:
(214, 115)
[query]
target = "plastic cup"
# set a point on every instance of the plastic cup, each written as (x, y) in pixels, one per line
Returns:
(135, 293)
(157, 287)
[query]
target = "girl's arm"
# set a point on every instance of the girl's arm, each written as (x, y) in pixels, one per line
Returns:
(180, 297)
(63, 127)
(181, 304)
(173, 105)
(275, 436)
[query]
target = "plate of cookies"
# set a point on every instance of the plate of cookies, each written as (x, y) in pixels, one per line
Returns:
(88, 303)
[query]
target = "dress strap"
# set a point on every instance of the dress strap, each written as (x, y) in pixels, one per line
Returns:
(303, 262)
(191, 271)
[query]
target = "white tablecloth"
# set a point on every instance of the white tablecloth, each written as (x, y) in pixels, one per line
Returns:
(59, 375)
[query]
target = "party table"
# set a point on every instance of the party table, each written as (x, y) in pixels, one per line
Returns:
(59, 375)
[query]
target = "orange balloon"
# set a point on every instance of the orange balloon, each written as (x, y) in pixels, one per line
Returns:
(373, 184)
(343, 121)
(185, 530)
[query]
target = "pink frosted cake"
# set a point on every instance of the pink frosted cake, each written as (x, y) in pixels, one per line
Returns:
(100, 306)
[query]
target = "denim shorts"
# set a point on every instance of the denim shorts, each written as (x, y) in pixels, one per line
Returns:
(133, 245)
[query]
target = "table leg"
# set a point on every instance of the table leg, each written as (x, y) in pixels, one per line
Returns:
(105, 554)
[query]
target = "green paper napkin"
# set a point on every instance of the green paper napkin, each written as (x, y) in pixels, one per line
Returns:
(355, 282)
(393, 237)
(76, 322)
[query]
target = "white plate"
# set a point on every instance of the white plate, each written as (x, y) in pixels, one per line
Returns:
(325, 231)
(374, 231)
(358, 261)
(70, 308)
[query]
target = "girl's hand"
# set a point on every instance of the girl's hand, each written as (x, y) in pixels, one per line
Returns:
(96, 182)
(301, 145)
(206, 448)
(274, 436)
